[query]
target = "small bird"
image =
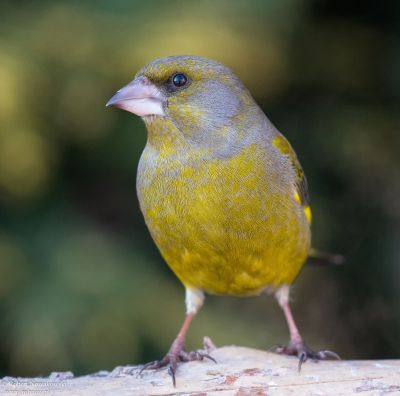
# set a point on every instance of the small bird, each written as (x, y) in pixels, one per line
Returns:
(221, 190)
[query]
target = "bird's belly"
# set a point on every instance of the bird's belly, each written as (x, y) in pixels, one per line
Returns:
(222, 233)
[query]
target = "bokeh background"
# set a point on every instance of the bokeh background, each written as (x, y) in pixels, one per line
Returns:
(82, 286)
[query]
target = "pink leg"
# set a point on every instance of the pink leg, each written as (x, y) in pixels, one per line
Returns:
(177, 352)
(180, 338)
(295, 337)
(296, 345)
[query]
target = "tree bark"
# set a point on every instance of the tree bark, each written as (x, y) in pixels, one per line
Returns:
(239, 371)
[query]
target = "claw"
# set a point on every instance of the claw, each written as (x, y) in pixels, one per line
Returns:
(206, 355)
(174, 356)
(303, 353)
(156, 364)
(171, 372)
(195, 355)
(199, 355)
(302, 359)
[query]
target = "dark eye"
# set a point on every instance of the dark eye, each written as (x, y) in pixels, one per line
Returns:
(179, 80)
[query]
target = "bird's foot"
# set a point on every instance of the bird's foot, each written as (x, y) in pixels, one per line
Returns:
(303, 352)
(178, 354)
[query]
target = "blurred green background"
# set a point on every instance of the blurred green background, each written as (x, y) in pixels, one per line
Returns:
(82, 286)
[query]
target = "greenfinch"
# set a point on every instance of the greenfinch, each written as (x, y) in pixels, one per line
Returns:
(221, 190)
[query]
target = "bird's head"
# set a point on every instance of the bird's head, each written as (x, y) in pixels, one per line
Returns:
(194, 92)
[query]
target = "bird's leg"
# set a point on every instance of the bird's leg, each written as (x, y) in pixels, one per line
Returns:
(296, 346)
(177, 352)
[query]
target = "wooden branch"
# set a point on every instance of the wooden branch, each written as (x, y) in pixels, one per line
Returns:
(239, 372)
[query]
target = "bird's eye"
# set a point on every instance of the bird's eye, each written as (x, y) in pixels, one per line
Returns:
(179, 80)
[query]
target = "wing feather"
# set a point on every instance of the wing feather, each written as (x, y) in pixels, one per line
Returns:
(302, 194)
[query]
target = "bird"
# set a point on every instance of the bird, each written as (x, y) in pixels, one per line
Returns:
(221, 190)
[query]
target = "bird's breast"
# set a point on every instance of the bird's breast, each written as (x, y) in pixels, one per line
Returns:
(225, 225)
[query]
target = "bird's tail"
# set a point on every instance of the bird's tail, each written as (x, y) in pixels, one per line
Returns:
(317, 257)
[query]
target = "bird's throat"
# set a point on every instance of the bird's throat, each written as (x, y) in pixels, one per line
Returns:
(163, 135)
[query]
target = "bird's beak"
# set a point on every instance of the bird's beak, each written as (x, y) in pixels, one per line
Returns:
(140, 97)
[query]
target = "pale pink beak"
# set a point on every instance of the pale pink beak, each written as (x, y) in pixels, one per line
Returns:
(140, 97)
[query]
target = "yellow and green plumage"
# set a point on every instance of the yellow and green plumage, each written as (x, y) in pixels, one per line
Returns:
(224, 225)
(221, 190)
(226, 210)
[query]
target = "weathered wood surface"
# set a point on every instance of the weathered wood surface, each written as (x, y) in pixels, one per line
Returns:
(239, 372)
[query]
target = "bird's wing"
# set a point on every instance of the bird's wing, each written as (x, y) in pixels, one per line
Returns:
(301, 194)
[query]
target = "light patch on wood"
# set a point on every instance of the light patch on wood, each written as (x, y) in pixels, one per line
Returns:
(239, 371)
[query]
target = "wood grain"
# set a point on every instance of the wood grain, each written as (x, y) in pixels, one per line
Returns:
(239, 372)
